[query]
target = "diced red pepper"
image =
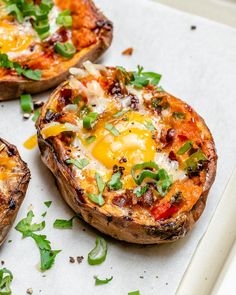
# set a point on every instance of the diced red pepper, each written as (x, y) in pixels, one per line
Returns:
(182, 137)
(163, 211)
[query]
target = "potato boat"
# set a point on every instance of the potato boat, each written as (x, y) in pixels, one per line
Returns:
(41, 40)
(134, 161)
(14, 179)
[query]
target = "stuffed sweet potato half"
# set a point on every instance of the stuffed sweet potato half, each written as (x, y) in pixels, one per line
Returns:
(14, 179)
(134, 161)
(40, 40)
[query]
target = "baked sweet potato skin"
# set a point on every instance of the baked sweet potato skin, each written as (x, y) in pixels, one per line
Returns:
(12, 187)
(121, 227)
(92, 20)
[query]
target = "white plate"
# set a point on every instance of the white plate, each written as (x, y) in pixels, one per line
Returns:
(198, 66)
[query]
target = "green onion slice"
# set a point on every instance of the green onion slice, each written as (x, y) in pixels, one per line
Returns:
(89, 120)
(26, 103)
(81, 163)
(6, 278)
(186, 147)
(99, 282)
(134, 293)
(120, 113)
(194, 159)
(97, 199)
(65, 19)
(144, 172)
(99, 253)
(112, 129)
(90, 139)
(67, 49)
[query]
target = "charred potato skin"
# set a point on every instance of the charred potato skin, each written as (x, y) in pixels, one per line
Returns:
(13, 87)
(122, 228)
(15, 194)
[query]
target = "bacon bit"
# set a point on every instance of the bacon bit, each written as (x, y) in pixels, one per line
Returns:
(120, 201)
(64, 98)
(129, 51)
(163, 211)
(172, 156)
(134, 102)
(115, 89)
(147, 199)
(170, 135)
(50, 116)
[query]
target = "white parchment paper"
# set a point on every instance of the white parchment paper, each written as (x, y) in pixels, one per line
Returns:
(200, 67)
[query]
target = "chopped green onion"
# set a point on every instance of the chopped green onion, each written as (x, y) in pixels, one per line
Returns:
(41, 27)
(140, 190)
(36, 115)
(134, 293)
(97, 199)
(194, 159)
(99, 282)
(44, 214)
(144, 173)
(164, 182)
(67, 50)
(13, 9)
(149, 125)
(81, 163)
(186, 147)
(89, 120)
(112, 129)
(64, 19)
(26, 103)
(32, 74)
(101, 185)
(178, 115)
(48, 204)
(90, 139)
(6, 278)
(63, 224)
(115, 183)
(99, 253)
(121, 113)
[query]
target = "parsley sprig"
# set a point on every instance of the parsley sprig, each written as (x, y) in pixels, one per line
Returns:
(28, 229)
(28, 73)
(141, 78)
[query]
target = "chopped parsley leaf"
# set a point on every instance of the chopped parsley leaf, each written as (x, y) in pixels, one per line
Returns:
(48, 203)
(63, 224)
(81, 163)
(115, 183)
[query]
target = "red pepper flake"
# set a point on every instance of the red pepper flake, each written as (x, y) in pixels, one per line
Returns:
(129, 51)
(163, 211)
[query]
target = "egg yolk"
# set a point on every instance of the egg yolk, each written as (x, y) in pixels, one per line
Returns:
(11, 40)
(135, 145)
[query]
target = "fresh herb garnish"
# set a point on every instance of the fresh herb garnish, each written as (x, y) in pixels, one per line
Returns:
(66, 50)
(26, 227)
(164, 182)
(63, 224)
(90, 139)
(140, 190)
(141, 78)
(47, 255)
(64, 19)
(112, 129)
(89, 120)
(6, 278)
(26, 103)
(150, 170)
(149, 125)
(44, 214)
(28, 73)
(178, 115)
(81, 163)
(120, 113)
(98, 199)
(99, 253)
(48, 204)
(192, 162)
(115, 183)
(36, 115)
(134, 293)
(186, 147)
(102, 282)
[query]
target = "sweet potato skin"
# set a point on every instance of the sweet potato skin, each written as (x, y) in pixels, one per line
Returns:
(12, 86)
(13, 195)
(121, 227)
